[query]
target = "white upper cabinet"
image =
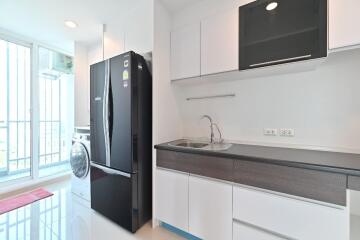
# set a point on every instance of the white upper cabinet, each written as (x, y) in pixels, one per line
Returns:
(210, 209)
(220, 42)
(343, 23)
(185, 52)
(172, 198)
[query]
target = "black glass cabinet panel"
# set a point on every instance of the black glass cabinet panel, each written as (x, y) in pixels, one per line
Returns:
(295, 30)
(115, 196)
(97, 83)
(121, 119)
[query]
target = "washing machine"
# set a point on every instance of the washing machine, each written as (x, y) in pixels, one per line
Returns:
(80, 163)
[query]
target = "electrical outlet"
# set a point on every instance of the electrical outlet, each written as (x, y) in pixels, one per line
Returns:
(270, 131)
(287, 132)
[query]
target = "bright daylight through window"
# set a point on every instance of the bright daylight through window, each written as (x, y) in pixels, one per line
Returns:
(22, 155)
(15, 85)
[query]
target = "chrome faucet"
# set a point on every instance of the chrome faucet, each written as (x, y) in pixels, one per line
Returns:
(211, 127)
(221, 140)
(212, 135)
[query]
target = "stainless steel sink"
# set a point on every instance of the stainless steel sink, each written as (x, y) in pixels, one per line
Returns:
(191, 144)
(185, 143)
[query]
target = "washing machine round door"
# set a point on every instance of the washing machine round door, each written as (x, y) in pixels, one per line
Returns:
(79, 160)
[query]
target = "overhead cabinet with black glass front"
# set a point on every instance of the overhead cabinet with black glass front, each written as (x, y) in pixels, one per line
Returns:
(279, 32)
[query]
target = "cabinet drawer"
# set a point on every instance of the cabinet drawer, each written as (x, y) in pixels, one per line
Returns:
(244, 231)
(203, 165)
(290, 217)
(312, 184)
(354, 183)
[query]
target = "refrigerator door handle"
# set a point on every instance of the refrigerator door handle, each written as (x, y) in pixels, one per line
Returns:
(106, 112)
(110, 170)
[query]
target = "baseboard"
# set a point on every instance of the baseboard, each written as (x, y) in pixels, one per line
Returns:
(29, 185)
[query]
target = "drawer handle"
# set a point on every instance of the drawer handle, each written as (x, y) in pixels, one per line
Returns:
(280, 60)
(110, 170)
(263, 229)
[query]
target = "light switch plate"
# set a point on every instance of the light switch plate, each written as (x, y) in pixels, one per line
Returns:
(270, 132)
(287, 132)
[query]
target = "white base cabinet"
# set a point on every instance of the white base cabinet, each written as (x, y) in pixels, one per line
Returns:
(172, 198)
(210, 209)
(290, 217)
(246, 232)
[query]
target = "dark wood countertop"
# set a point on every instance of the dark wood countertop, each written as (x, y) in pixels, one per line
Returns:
(346, 163)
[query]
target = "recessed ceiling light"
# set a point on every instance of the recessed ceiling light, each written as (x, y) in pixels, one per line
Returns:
(271, 6)
(70, 24)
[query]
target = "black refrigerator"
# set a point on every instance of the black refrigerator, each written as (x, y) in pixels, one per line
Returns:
(121, 140)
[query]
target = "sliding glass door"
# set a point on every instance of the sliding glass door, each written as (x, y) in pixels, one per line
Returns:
(15, 115)
(56, 81)
(36, 111)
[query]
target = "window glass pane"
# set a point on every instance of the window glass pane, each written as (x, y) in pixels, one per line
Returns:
(3, 82)
(28, 140)
(21, 84)
(42, 98)
(48, 143)
(55, 100)
(21, 140)
(42, 138)
(56, 111)
(13, 140)
(15, 161)
(12, 71)
(3, 148)
(27, 84)
(55, 137)
(48, 99)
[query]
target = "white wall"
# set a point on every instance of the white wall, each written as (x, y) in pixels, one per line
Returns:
(133, 31)
(82, 113)
(323, 106)
(166, 118)
(95, 53)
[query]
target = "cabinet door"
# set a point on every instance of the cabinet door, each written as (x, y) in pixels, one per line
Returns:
(219, 43)
(172, 198)
(185, 52)
(246, 232)
(283, 215)
(343, 19)
(210, 209)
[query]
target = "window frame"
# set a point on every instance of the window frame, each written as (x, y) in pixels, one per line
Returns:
(27, 44)
(34, 47)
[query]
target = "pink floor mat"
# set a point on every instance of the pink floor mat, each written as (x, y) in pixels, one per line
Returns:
(12, 203)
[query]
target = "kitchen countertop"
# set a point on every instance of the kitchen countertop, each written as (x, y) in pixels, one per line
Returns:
(347, 163)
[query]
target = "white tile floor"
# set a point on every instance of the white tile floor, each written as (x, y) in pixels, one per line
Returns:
(66, 217)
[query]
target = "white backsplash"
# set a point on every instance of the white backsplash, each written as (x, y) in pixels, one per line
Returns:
(322, 106)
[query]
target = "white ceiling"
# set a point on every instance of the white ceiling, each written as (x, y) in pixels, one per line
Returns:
(43, 20)
(177, 5)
